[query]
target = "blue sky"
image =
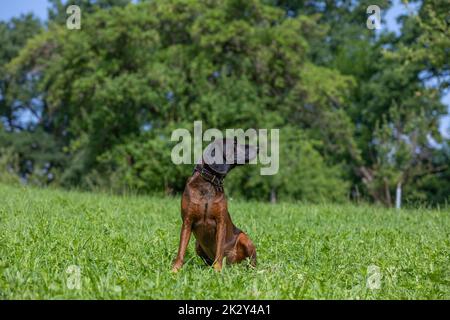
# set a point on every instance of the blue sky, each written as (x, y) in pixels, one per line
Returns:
(11, 8)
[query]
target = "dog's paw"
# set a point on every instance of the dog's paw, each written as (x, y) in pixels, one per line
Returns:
(217, 267)
(176, 268)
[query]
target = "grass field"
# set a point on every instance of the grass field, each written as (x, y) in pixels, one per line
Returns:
(123, 247)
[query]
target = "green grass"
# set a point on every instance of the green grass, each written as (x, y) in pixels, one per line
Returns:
(124, 247)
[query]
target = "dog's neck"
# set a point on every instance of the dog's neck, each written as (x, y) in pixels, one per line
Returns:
(209, 176)
(199, 190)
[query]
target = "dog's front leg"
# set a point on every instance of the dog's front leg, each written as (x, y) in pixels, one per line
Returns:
(184, 241)
(220, 240)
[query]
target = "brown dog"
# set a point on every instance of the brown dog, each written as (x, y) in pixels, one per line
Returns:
(204, 208)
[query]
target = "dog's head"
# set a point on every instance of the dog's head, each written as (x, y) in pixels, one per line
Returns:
(222, 155)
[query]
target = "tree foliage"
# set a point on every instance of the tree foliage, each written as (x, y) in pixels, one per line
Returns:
(355, 114)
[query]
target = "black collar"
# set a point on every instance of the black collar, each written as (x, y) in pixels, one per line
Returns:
(209, 175)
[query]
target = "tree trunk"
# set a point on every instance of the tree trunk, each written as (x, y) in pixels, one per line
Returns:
(273, 196)
(398, 196)
(356, 195)
(387, 194)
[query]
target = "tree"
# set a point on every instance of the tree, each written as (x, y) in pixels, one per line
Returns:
(33, 155)
(399, 113)
(426, 41)
(358, 102)
(166, 63)
(14, 101)
(303, 174)
(394, 113)
(26, 151)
